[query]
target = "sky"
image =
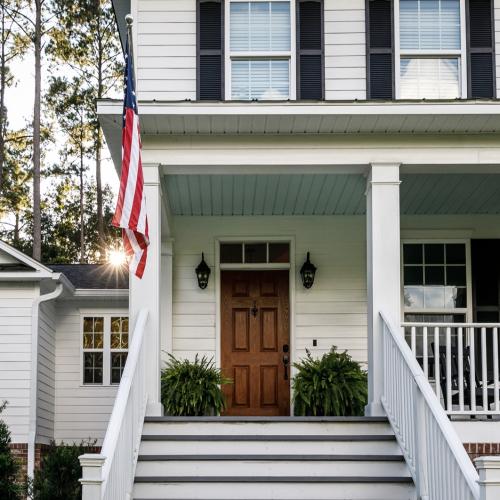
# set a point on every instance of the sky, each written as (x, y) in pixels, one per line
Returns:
(19, 101)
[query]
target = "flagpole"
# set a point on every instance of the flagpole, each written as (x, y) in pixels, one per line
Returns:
(130, 21)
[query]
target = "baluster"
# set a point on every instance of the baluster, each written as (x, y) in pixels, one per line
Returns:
(460, 369)
(414, 340)
(425, 353)
(472, 351)
(436, 363)
(495, 368)
(449, 405)
(484, 369)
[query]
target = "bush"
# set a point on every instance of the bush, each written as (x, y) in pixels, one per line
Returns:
(10, 488)
(192, 388)
(333, 385)
(59, 473)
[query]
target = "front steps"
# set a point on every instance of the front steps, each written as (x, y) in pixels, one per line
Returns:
(226, 458)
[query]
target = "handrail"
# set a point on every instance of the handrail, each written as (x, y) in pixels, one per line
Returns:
(449, 325)
(421, 426)
(113, 469)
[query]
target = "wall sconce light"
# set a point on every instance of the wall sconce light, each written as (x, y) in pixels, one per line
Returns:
(202, 273)
(307, 272)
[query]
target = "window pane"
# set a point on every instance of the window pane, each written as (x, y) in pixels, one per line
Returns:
(88, 325)
(117, 366)
(434, 253)
(125, 325)
(115, 341)
(413, 275)
(455, 253)
(98, 325)
(434, 275)
(260, 26)
(429, 24)
(88, 341)
(255, 253)
(429, 78)
(455, 275)
(434, 297)
(279, 252)
(92, 373)
(260, 79)
(115, 324)
(413, 254)
(98, 341)
(231, 253)
(455, 297)
(414, 296)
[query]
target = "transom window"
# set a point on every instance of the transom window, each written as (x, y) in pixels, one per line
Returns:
(255, 253)
(259, 52)
(104, 348)
(431, 49)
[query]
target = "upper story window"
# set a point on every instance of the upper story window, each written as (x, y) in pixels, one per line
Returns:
(259, 59)
(260, 50)
(431, 49)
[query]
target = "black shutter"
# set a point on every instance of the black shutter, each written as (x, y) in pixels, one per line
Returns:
(480, 49)
(210, 34)
(380, 54)
(310, 49)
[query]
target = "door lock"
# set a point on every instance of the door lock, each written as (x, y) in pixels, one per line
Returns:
(254, 309)
(286, 359)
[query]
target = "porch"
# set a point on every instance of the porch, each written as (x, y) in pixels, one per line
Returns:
(362, 247)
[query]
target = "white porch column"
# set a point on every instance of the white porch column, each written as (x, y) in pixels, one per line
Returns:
(166, 305)
(489, 477)
(145, 292)
(383, 267)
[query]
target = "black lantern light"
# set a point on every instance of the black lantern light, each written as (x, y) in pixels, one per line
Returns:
(202, 273)
(307, 272)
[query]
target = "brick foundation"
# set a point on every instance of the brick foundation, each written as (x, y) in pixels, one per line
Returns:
(476, 450)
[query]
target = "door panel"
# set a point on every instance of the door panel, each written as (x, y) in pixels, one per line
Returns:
(255, 329)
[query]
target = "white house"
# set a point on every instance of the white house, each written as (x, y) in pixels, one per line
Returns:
(363, 132)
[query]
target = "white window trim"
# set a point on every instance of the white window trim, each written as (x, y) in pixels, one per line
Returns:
(291, 55)
(467, 311)
(461, 53)
(106, 350)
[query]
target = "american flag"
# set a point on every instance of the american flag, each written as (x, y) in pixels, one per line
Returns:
(130, 212)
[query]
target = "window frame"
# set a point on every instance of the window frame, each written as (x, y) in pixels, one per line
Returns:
(461, 53)
(229, 56)
(466, 311)
(106, 350)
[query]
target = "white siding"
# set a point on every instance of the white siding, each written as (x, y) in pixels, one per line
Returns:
(497, 43)
(333, 311)
(16, 301)
(46, 371)
(166, 49)
(345, 49)
(82, 412)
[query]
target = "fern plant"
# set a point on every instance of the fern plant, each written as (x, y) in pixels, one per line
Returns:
(192, 388)
(333, 385)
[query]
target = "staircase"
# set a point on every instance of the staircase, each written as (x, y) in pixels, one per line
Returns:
(225, 458)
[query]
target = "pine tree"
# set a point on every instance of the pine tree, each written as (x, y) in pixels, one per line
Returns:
(10, 489)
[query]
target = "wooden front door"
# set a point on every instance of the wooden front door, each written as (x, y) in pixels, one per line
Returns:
(255, 342)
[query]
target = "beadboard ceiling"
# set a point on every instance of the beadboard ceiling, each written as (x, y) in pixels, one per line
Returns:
(327, 194)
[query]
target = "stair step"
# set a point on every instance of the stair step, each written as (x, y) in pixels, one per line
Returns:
(273, 479)
(275, 437)
(274, 458)
(226, 419)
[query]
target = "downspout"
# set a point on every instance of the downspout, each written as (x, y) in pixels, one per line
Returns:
(34, 374)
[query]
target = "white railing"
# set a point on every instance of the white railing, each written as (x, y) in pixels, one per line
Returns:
(438, 462)
(461, 359)
(110, 474)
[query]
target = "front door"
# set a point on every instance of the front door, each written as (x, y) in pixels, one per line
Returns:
(255, 340)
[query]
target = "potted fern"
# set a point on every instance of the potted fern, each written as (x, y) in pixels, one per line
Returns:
(192, 388)
(333, 385)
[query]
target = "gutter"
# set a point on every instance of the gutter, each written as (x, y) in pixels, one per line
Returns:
(34, 367)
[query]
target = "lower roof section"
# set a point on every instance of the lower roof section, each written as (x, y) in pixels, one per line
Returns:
(327, 194)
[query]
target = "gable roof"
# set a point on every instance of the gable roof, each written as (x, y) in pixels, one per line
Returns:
(94, 276)
(13, 260)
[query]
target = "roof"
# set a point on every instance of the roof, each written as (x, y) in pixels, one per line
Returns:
(94, 276)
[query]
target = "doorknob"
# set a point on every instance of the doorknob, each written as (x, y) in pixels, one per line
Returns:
(286, 359)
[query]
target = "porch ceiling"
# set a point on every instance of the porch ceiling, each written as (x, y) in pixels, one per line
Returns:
(327, 194)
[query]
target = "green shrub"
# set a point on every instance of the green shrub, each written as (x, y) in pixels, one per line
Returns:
(333, 385)
(10, 488)
(59, 473)
(192, 388)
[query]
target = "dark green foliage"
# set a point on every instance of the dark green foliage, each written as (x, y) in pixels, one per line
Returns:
(334, 385)
(192, 388)
(10, 489)
(59, 473)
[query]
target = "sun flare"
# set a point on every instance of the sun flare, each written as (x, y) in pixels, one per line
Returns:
(116, 257)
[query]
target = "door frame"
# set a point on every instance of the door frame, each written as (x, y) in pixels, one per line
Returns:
(256, 267)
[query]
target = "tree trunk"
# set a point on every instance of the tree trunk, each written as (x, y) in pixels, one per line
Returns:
(16, 230)
(37, 223)
(82, 226)
(2, 98)
(98, 144)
